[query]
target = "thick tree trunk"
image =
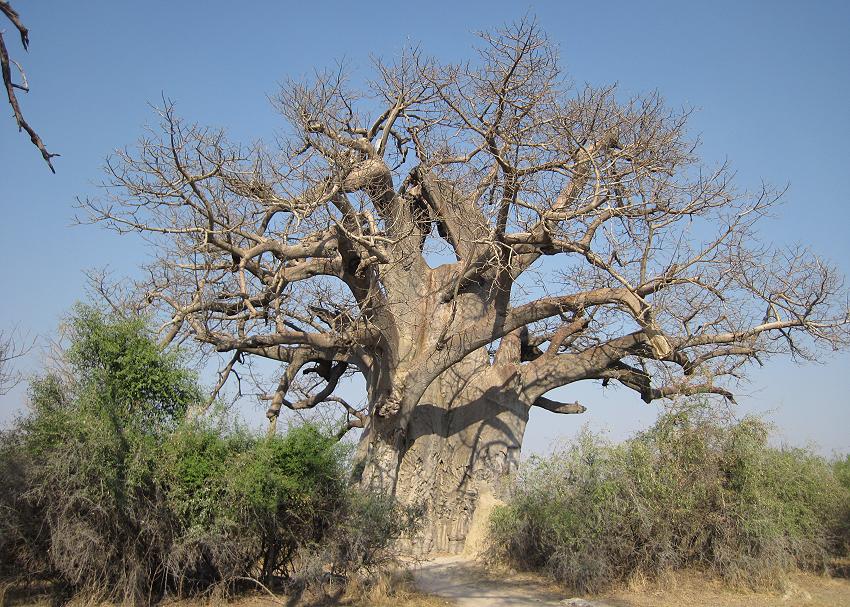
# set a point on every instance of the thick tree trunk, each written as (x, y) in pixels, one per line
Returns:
(455, 454)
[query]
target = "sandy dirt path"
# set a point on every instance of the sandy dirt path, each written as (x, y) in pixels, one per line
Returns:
(465, 584)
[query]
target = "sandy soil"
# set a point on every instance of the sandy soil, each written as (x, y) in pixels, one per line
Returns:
(464, 583)
(461, 582)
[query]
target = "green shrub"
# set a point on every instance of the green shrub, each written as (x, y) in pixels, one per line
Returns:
(842, 471)
(691, 492)
(107, 488)
(22, 540)
(289, 490)
(841, 467)
(120, 368)
(89, 451)
(364, 540)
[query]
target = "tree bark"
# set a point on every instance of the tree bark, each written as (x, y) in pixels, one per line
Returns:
(460, 445)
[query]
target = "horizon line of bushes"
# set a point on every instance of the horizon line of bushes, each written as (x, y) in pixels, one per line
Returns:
(107, 489)
(695, 491)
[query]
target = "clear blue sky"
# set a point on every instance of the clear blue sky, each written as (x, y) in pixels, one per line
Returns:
(771, 81)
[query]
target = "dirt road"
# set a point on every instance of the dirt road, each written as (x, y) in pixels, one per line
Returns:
(462, 582)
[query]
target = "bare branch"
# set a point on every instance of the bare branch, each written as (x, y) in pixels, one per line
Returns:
(557, 407)
(481, 220)
(11, 348)
(6, 70)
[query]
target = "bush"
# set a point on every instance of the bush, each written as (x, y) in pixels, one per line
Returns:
(22, 541)
(692, 492)
(89, 454)
(841, 468)
(106, 486)
(842, 471)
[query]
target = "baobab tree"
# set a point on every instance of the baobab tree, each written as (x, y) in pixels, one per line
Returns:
(467, 238)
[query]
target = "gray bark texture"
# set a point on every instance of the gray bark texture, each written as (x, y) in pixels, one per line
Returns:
(467, 238)
(463, 441)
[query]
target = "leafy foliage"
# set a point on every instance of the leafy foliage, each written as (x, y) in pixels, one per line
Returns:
(842, 471)
(108, 488)
(690, 492)
(121, 368)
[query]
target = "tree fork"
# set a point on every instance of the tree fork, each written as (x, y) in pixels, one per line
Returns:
(488, 236)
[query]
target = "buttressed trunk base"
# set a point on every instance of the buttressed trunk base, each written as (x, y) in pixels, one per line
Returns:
(454, 458)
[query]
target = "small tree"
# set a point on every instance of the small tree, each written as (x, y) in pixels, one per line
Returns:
(81, 502)
(468, 237)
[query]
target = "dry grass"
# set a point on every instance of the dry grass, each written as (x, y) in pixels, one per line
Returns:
(392, 589)
(396, 590)
(691, 589)
(695, 590)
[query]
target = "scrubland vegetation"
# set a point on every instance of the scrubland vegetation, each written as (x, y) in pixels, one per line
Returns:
(107, 490)
(693, 492)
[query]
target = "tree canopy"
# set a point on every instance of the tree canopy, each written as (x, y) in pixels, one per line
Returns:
(448, 207)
